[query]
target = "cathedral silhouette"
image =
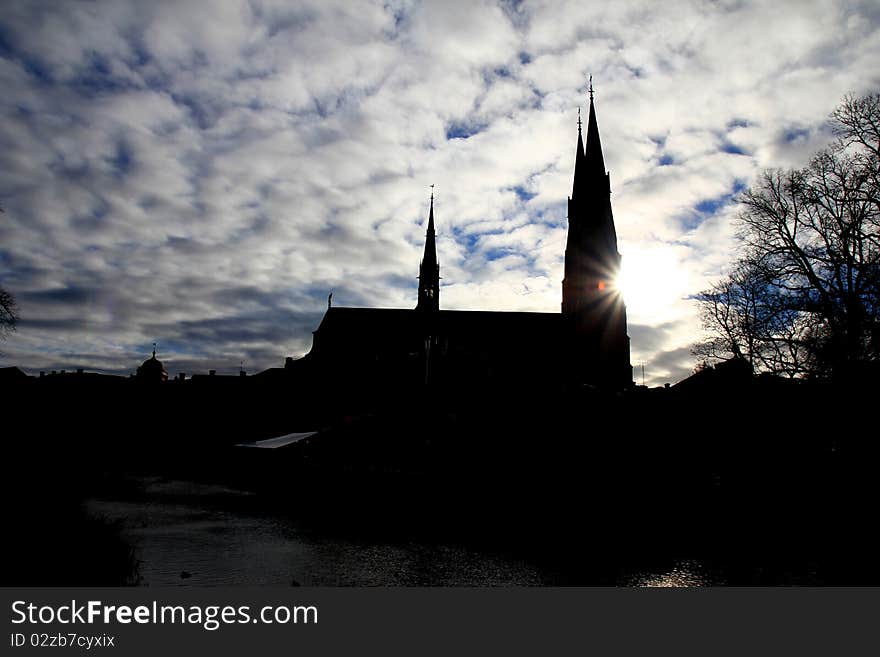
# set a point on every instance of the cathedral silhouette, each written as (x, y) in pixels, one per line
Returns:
(586, 343)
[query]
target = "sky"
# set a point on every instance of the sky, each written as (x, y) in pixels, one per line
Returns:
(203, 174)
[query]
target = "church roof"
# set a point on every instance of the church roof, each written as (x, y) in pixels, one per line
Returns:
(380, 334)
(395, 320)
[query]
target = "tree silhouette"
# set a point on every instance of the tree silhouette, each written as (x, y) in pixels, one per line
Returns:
(8, 312)
(803, 296)
(8, 307)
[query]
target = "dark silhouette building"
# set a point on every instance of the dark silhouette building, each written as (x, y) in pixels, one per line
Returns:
(152, 370)
(586, 343)
(592, 308)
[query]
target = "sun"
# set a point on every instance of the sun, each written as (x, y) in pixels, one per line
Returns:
(652, 280)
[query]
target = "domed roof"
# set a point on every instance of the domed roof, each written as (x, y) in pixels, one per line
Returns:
(152, 369)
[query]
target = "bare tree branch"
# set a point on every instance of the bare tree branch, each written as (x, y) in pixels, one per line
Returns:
(803, 296)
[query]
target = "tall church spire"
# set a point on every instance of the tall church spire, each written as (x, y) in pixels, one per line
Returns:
(593, 152)
(429, 269)
(591, 306)
(590, 176)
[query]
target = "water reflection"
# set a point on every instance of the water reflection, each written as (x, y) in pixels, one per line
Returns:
(187, 533)
(184, 534)
(682, 574)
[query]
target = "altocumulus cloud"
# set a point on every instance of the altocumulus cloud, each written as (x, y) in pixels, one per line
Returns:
(203, 174)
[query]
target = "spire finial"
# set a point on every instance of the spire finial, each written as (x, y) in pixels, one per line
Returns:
(579, 119)
(154, 350)
(591, 87)
(330, 300)
(431, 212)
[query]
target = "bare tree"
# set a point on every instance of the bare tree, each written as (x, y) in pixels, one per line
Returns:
(745, 318)
(8, 313)
(8, 308)
(804, 295)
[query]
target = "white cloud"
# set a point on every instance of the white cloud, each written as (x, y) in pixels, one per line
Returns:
(205, 177)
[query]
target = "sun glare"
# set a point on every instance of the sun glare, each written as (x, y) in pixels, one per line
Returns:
(652, 280)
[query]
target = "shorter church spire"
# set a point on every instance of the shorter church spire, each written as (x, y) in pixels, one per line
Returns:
(579, 163)
(429, 270)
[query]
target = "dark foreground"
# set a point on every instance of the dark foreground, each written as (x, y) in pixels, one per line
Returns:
(757, 482)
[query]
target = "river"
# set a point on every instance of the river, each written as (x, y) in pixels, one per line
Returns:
(198, 534)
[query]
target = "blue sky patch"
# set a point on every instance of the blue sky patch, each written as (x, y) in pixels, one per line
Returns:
(69, 294)
(94, 220)
(96, 78)
(710, 206)
(200, 112)
(6, 50)
(469, 240)
(497, 253)
(123, 159)
(140, 54)
(523, 194)
(163, 348)
(462, 129)
(794, 134)
(733, 149)
(37, 69)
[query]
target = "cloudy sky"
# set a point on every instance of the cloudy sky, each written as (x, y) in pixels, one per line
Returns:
(204, 174)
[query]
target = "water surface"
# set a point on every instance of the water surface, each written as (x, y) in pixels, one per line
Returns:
(187, 533)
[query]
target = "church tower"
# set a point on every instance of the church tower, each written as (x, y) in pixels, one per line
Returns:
(592, 308)
(429, 269)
